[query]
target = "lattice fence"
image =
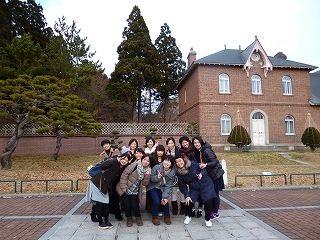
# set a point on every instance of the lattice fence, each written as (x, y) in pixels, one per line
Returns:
(108, 128)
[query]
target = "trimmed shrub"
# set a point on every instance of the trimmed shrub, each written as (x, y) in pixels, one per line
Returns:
(311, 138)
(239, 136)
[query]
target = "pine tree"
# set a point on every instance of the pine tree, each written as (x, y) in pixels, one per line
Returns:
(5, 24)
(171, 66)
(27, 17)
(137, 68)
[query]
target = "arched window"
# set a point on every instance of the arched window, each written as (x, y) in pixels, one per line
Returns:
(224, 86)
(289, 122)
(286, 85)
(225, 124)
(257, 115)
(256, 84)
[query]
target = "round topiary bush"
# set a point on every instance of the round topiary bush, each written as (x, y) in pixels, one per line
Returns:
(239, 136)
(311, 138)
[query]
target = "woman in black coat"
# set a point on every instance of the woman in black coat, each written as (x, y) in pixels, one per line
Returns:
(101, 184)
(194, 183)
(207, 159)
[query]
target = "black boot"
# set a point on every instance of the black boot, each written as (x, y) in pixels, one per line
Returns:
(93, 214)
(182, 208)
(174, 205)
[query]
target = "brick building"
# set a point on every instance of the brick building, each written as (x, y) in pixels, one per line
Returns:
(270, 96)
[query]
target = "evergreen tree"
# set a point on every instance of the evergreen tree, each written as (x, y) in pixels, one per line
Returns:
(171, 66)
(311, 138)
(70, 58)
(137, 68)
(26, 56)
(66, 118)
(5, 25)
(239, 137)
(40, 100)
(26, 18)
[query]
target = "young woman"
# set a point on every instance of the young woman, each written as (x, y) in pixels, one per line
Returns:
(139, 153)
(194, 183)
(130, 187)
(114, 200)
(208, 159)
(187, 151)
(99, 186)
(173, 150)
(161, 181)
(133, 144)
(156, 158)
(151, 145)
(107, 150)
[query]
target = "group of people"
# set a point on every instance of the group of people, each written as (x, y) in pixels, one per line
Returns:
(171, 172)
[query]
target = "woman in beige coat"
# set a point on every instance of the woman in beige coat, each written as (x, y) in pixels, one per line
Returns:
(130, 187)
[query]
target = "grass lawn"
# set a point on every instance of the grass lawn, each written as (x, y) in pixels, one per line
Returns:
(74, 167)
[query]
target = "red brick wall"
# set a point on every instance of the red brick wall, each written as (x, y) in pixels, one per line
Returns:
(205, 103)
(44, 145)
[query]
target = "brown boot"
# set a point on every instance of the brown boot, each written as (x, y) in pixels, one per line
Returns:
(155, 220)
(174, 205)
(182, 208)
(139, 221)
(167, 220)
(129, 221)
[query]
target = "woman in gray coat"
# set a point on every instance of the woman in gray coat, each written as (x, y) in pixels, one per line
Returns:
(160, 187)
(130, 187)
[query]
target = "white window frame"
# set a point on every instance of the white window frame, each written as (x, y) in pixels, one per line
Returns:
(289, 123)
(286, 85)
(256, 84)
(225, 121)
(224, 83)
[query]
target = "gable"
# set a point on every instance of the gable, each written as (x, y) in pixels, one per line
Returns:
(238, 57)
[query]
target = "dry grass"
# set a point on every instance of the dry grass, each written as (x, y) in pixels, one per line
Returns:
(258, 162)
(74, 167)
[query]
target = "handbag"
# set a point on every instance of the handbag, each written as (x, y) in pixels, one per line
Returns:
(214, 172)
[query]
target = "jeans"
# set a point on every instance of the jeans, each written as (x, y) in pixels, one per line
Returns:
(156, 195)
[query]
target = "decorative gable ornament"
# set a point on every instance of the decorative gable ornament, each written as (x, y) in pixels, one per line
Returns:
(256, 53)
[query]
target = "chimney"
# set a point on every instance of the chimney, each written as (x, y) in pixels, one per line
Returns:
(191, 57)
(281, 55)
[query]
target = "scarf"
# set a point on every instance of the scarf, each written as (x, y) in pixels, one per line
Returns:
(188, 153)
(173, 152)
(141, 170)
(108, 152)
(184, 170)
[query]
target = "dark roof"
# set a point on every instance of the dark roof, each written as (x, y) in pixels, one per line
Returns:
(238, 57)
(315, 88)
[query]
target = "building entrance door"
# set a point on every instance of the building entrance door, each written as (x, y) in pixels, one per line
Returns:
(258, 130)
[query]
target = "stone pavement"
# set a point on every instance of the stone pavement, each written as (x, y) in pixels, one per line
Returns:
(264, 213)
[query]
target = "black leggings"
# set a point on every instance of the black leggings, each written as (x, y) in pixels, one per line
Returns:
(207, 209)
(102, 210)
(131, 204)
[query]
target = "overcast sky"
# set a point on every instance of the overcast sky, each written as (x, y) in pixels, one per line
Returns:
(288, 26)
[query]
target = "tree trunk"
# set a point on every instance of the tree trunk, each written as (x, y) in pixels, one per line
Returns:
(5, 158)
(58, 147)
(165, 109)
(133, 111)
(139, 106)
